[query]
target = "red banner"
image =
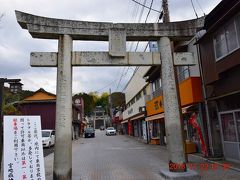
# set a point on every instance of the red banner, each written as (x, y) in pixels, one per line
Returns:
(194, 123)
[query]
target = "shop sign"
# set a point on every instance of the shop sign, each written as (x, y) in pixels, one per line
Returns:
(158, 104)
(23, 152)
(155, 106)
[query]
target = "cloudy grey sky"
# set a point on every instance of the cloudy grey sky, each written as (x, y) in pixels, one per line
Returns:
(16, 43)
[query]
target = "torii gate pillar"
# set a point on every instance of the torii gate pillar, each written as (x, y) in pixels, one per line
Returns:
(173, 125)
(63, 168)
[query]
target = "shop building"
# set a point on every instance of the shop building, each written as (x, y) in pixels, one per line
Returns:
(220, 58)
(134, 123)
(191, 99)
(43, 104)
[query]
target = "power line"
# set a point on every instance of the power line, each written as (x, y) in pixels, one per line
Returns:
(145, 20)
(200, 7)
(194, 9)
(146, 6)
(112, 82)
(139, 20)
(120, 79)
(109, 84)
(159, 18)
(141, 13)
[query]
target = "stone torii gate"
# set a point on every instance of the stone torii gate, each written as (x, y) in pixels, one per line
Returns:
(117, 34)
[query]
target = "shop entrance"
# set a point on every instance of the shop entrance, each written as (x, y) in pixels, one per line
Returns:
(230, 133)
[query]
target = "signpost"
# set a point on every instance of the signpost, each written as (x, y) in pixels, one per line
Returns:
(23, 152)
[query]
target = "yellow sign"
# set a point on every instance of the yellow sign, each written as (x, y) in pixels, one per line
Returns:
(155, 106)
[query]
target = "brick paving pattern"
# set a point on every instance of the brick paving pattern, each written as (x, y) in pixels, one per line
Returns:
(123, 158)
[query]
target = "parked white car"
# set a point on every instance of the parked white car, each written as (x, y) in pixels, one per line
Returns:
(111, 131)
(48, 137)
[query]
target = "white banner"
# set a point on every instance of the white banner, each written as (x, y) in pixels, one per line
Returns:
(144, 129)
(23, 152)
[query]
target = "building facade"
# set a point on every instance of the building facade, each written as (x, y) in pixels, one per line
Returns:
(191, 100)
(43, 104)
(220, 51)
(134, 123)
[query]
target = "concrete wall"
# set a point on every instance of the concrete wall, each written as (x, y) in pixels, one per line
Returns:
(194, 70)
(134, 109)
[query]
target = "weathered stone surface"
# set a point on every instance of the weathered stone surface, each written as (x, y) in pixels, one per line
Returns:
(97, 59)
(117, 42)
(63, 138)
(183, 59)
(49, 59)
(43, 59)
(50, 28)
(189, 175)
(144, 58)
(171, 104)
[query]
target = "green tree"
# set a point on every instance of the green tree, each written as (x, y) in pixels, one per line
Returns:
(10, 110)
(118, 99)
(103, 100)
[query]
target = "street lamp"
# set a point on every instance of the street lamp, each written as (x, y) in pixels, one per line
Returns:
(2, 81)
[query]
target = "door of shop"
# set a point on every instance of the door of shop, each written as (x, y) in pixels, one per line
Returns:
(230, 132)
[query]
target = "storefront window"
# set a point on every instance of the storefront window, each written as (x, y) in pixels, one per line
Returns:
(156, 129)
(237, 115)
(228, 127)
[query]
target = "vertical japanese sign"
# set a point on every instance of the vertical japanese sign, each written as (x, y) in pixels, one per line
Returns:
(23, 152)
(194, 122)
(144, 129)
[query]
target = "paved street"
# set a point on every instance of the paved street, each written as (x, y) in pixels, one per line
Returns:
(47, 151)
(122, 158)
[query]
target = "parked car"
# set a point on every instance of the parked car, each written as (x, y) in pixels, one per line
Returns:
(111, 131)
(48, 137)
(102, 128)
(89, 132)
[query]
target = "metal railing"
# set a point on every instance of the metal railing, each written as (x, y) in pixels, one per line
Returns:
(157, 93)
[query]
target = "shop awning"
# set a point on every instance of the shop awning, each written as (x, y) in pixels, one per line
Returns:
(159, 116)
(154, 117)
(184, 109)
(125, 121)
(137, 117)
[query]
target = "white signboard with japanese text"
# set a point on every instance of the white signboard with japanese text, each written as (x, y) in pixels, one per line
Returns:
(23, 152)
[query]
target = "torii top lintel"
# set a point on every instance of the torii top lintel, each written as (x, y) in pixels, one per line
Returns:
(50, 28)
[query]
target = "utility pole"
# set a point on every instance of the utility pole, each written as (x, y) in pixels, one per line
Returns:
(110, 106)
(166, 17)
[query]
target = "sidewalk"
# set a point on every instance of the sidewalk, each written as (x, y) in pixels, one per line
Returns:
(208, 169)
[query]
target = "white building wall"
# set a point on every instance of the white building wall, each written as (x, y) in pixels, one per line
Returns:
(136, 83)
(134, 109)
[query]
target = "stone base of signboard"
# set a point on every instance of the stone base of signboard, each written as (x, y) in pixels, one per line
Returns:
(188, 175)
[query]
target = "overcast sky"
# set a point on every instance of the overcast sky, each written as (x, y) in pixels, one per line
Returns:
(16, 43)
